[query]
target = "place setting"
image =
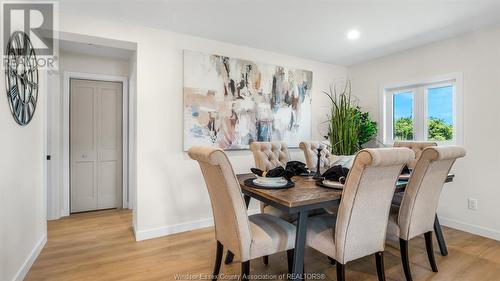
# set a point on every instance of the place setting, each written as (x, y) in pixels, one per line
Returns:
(334, 177)
(282, 177)
(279, 177)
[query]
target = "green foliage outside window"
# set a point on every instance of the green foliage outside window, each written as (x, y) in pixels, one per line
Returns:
(438, 129)
(403, 129)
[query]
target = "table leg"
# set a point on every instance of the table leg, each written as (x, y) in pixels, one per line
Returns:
(229, 255)
(247, 200)
(300, 245)
(439, 237)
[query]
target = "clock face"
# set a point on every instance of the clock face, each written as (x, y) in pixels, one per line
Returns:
(21, 77)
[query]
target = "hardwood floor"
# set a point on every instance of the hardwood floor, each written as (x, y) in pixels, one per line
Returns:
(101, 246)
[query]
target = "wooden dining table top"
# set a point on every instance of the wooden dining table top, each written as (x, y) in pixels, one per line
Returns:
(305, 192)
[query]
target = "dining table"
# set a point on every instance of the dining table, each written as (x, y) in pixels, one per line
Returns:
(305, 197)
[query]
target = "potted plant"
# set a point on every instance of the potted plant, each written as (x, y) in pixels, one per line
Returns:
(349, 128)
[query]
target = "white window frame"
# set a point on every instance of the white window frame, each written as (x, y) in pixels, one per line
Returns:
(419, 89)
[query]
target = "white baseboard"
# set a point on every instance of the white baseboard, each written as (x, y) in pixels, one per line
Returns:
(30, 259)
(177, 228)
(474, 229)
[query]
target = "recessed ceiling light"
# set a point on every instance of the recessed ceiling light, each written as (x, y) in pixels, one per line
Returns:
(353, 34)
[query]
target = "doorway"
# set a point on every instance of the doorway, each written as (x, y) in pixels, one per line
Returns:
(95, 145)
(84, 57)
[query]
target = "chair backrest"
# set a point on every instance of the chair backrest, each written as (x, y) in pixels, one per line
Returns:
(232, 227)
(366, 199)
(416, 146)
(421, 198)
(310, 149)
(269, 155)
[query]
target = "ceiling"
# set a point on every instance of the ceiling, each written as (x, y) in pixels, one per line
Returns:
(310, 29)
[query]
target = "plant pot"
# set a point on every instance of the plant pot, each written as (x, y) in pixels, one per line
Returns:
(343, 160)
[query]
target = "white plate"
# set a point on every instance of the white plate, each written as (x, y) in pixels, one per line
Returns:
(264, 179)
(333, 184)
(282, 182)
(404, 177)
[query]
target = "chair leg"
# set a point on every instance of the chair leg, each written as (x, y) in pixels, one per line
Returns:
(439, 237)
(403, 246)
(289, 257)
(430, 250)
(229, 257)
(245, 270)
(218, 261)
(265, 260)
(379, 260)
(332, 261)
(340, 272)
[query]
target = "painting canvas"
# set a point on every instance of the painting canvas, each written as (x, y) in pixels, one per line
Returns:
(229, 102)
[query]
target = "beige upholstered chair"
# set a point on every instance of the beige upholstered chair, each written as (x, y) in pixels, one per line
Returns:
(267, 156)
(310, 149)
(420, 200)
(246, 237)
(359, 228)
(416, 146)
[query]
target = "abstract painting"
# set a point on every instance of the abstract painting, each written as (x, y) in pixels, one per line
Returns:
(230, 103)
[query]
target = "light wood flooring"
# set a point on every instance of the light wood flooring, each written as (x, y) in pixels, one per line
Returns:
(101, 246)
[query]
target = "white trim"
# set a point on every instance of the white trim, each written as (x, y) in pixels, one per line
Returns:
(419, 105)
(52, 129)
(178, 228)
(125, 104)
(423, 81)
(30, 259)
(471, 228)
(459, 107)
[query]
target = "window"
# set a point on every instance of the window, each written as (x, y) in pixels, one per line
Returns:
(426, 110)
(402, 119)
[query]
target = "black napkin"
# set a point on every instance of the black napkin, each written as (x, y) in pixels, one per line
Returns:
(298, 168)
(293, 168)
(274, 173)
(336, 173)
(405, 170)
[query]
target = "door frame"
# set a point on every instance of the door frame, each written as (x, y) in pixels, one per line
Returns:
(66, 131)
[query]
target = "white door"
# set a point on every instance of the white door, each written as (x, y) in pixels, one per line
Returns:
(95, 145)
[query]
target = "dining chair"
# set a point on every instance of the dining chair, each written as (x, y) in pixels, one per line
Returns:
(417, 147)
(310, 149)
(416, 214)
(247, 237)
(359, 227)
(267, 156)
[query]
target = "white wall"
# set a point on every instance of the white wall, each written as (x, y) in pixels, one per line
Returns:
(171, 195)
(23, 227)
(72, 62)
(477, 56)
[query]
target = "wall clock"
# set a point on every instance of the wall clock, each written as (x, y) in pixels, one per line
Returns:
(21, 77)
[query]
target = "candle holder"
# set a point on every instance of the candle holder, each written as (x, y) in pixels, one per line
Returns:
(317, 175)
